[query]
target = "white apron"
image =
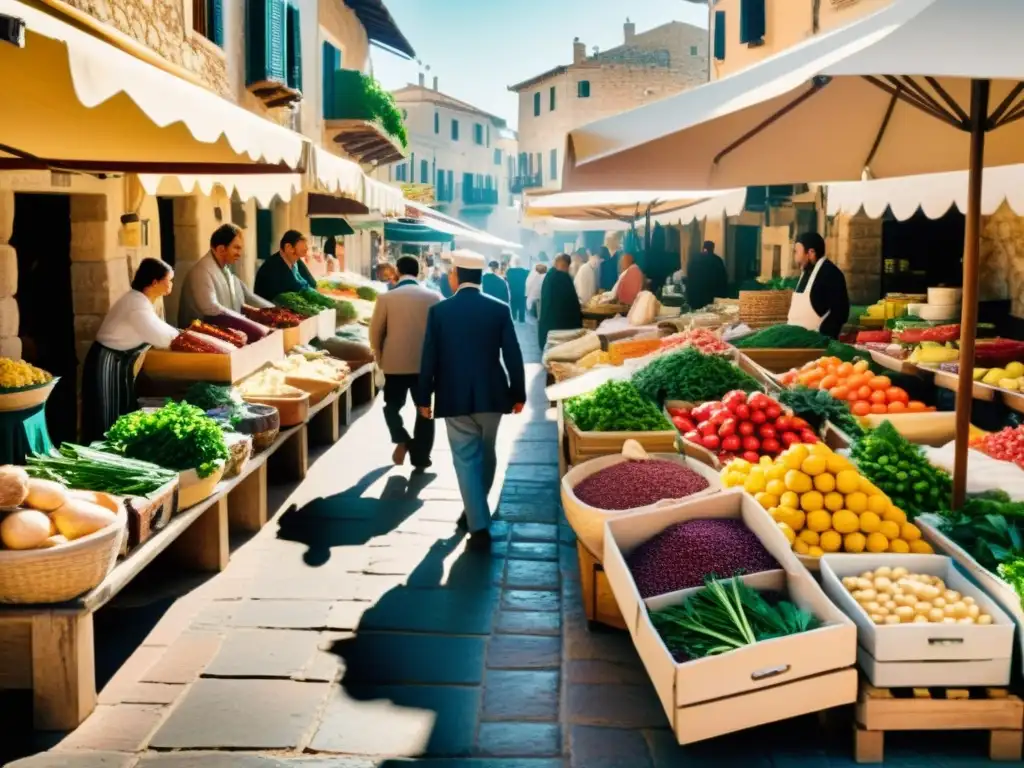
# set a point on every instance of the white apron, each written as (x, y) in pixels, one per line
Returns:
(801, 311)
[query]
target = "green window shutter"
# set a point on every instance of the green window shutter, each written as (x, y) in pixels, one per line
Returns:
(536, 104)
(720, 35)
(583, 89)
(437, 122)
(264, 228)
(265, 21)
(424, 172)
(412, 168)
(294, 48)
(752, 22)
(215, 21)
(331, 62)
(554, 164)
(552, 99)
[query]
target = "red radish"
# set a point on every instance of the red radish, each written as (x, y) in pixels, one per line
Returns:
(745, 428)
(687, 424)
(719, 416)
(674, 412)
(758, 417)
(707, 428)
(693, 436)
(733, 399)
(680, 424)
(770, 445)
(752, 456)
(732, 443)
(710, 442)
(751, 444)
(767, 431)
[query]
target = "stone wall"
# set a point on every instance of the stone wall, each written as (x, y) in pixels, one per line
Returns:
(10, 344)
(856, 243)
(1001, 268)
(165, 27)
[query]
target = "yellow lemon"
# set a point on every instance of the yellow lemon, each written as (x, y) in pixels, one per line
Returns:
(810, 538)
(794, 518)
(775, 487)
(854, 542)
(774, 513)
(834, 501)
(847, 481)
(921, 547)
(895, 515)
(830, 541)
(813, 465)
(789, 499)
(815, 551)
(856, 502)
(899, 546)
(845, 521)
(812, 501)
(766, 461)
(869, 522)
(788, 532)
(837, 464)
(740, 465)
(755, 482)
(819, 520)
(766, 500)
(776, 471)
(800, 547)
(825, 482)
(820, 449)
(733, 479)
(798, 452)
(876, 542)
(910, 532)
(889, 529)
(797, 481)
(866, 486)
(878, 504)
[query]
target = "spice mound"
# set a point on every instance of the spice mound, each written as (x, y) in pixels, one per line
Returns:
(684, 554)
(632, 484)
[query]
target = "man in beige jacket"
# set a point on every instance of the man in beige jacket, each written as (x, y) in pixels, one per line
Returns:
(396, 334)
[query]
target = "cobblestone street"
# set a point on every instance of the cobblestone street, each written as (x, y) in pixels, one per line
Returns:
(355, 632)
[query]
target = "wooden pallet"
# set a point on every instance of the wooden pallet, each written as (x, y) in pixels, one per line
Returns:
(938, 709)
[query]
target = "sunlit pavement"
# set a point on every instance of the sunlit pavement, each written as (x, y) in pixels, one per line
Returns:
(355, 631)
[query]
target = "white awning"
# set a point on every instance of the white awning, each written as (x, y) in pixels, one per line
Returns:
(336, 175)
(462, 231)
(76, 101)
(378, 196)
(613, 204)
(730, 203)
(263, 187)
(934, 194)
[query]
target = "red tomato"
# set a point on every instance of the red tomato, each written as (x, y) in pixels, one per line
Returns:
(679, 423)
(751, 443)
(788, 438)
(693, 436)
(711, 442)
(752, 456)
(732, 443)
(770, 445)
(783, 422)
(733, 399)
(758, 417)
(766, 431)
(773, 412)
(759, 400)
(742, 412)
(707, 429)
(806, 436)
(674, 412)
(727, 427)
(703, 411)
(745, 428)
(799, 423)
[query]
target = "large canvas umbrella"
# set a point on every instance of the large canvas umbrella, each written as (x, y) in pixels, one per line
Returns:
(921, 86)
(615, 205)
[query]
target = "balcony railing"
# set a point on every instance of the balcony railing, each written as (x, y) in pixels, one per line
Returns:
(479, 196)
(517, 184)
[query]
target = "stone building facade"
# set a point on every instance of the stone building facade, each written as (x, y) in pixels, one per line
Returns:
(647, 66)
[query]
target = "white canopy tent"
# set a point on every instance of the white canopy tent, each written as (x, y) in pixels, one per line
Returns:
(614, 204)
(463, 232)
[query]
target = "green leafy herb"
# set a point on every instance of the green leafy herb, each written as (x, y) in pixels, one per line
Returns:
(615, 406)
(1012, 572)
(725, 616)
(901, 470)
(366, 293)
(817, 406)
(784, 337)
(178, 436)
(990, 539)
(216, 397)
(88, 469)
(692, 377)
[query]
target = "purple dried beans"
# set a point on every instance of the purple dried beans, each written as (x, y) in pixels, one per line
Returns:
(632, 484)
(684, 554)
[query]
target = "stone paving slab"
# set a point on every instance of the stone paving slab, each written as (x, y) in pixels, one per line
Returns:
(71, 760)
(410, 658)
(440, 611)
(279, 653)
(242, 714)
(521, 695)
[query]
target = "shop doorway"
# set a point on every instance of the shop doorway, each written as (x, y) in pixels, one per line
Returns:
(747, 244)
(922, 252)
(165, 210)
(42, 239)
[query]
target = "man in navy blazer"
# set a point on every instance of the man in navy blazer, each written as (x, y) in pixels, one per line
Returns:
(462, 381)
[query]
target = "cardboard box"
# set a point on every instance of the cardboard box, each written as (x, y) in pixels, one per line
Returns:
(994, 587)
(227, 368)
(326, 324)
(303, 333)
(924, 654)
(769, 681)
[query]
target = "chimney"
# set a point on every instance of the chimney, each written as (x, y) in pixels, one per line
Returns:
(423, 80)
(435, 82)
(579, 51)
(629, 28)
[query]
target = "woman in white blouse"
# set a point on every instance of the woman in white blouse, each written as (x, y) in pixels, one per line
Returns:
(130, 328)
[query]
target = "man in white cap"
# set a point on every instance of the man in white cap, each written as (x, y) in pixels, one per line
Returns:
(462, 381)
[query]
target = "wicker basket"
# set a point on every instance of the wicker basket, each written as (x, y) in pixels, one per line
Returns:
(761, 308)
(263, 440)
(63, 572)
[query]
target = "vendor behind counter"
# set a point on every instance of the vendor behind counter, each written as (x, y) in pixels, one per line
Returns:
(286, 270)
(130, 328)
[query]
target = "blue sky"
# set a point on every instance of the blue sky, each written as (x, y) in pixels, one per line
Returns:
(477, 48)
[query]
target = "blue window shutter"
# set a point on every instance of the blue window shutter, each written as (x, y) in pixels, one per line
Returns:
(215, 21)
(536, 104)
(437, 122)
(451, 184)
(488, 135)
(720, 35)
(266, 54)
(294, 48)
(412, 168)
(424, 172)
(752, 21)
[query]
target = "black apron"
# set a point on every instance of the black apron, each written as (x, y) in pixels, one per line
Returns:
(108, 388)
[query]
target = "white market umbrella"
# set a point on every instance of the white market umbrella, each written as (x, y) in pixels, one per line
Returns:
(921, 86)
(617, 205)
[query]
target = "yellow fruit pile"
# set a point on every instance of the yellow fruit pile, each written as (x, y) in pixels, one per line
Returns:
(822, 503)
(18, 373)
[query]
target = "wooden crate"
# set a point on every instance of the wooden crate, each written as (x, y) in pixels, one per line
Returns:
(598, 600)
(581, 445)
(780, 360)
(303, 333)
(938, 709)
(226, 369)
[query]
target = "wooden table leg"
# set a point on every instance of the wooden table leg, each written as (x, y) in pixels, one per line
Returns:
(325, 427)
(203, 546)
(293, 456)
(345, 407)
(63, 670)
(247, 502)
